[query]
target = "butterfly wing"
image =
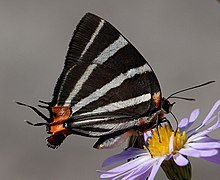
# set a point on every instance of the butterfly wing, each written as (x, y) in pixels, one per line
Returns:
(105, 81)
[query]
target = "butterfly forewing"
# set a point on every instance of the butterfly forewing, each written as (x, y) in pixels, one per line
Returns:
(104, 73)
(105, 86)
(84, 47)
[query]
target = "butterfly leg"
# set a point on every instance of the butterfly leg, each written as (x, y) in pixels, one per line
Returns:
(167, 121)
(158, 122)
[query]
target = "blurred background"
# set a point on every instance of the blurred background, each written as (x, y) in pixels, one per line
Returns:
(179, 38)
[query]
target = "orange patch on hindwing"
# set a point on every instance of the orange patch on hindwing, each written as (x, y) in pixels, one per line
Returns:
(60, 115)
(156, 98)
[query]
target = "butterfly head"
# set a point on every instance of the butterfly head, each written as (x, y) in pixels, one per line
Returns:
(166, 105)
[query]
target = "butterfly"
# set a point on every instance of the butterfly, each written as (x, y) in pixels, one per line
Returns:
(106, 89)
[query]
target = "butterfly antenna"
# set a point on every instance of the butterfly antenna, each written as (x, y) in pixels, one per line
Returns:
(35, 110)
(35, 124)
(187, 89)
(44, 102)
(183, 98)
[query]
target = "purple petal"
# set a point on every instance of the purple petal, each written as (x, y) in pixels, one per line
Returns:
(208, 153)
(183, 124)
(216, 105)
(140, 169)
(125, 155)
(205, 132)
(128, 168)
(168, 156)
(190, 152)
(147, 135)
(144, 176)
(180, 160)
(155, 168)
(218, 118)
(207, 120)
(194, 115)
(193, 131)
(205, 145)
(138, 172)
(131, 176)
(204, 139)
(214, 159)
(129, 165)
(210, 120)
(121, 170)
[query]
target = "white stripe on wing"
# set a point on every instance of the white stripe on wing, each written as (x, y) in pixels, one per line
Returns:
(101, 23)
(121, 104)
(114, 83)
(103, 57)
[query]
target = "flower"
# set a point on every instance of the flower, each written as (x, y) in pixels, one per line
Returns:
(164, 144)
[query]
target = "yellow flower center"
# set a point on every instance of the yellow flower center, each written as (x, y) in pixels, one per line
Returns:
(158, 145)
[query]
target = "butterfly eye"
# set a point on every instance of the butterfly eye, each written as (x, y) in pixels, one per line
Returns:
(166, 106)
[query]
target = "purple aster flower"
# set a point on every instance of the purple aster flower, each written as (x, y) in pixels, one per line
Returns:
(176, 145)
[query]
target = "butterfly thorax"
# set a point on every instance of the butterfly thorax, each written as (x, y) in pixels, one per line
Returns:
(59, 115)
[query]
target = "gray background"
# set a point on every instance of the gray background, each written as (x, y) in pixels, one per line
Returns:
(179, 38)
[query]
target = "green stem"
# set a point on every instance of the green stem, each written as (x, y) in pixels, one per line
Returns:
(175, 172)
